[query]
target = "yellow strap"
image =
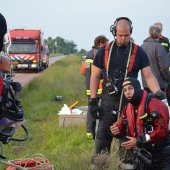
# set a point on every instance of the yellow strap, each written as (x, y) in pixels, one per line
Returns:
(143, 116)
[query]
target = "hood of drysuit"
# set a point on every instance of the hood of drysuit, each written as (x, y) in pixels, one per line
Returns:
(137, 90)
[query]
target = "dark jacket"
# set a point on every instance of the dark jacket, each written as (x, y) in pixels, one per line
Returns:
(159, 61)
(165, 42)
(88, 62)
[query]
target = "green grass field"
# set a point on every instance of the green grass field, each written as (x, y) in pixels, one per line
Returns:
(66, 147)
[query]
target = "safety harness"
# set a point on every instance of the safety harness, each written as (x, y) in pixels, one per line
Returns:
(130, 63)
(106, 59)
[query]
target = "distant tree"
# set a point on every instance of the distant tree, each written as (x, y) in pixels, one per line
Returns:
(70, 47)
(51, 44)
(82, 52)
(60, 45)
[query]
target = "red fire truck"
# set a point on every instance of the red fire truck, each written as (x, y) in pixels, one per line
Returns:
(25, 49)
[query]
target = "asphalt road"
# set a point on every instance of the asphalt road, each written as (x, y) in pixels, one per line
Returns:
(25, 76)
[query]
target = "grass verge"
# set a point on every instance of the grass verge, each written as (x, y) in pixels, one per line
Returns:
(65, 147)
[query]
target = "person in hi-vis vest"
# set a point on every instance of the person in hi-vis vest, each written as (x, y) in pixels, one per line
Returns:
(98, 42)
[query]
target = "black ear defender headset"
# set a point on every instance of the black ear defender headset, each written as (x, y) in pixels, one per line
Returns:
(113, 27)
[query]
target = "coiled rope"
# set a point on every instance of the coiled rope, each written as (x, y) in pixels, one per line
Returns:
(33, 162)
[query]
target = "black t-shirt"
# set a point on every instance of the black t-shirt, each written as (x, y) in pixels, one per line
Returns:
(118, 62)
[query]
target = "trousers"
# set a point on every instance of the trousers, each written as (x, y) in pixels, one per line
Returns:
(109, 107)
(91, 123)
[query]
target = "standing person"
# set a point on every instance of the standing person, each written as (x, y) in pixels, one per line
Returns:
(91, 122)
(158, 58)
(165, 42)
(113, 60)
(144, 124)
(162, 39)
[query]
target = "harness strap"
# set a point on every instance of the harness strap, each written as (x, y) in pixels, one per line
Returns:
(132, 58)
(106, 58)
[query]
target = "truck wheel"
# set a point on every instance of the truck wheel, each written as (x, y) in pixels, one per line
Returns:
(45, 66)
(38, 69)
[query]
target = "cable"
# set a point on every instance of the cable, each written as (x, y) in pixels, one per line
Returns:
(21, 139)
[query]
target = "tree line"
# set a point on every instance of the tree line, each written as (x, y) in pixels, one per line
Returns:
(60, 45)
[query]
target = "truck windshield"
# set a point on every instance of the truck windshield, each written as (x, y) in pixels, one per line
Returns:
(23, 48)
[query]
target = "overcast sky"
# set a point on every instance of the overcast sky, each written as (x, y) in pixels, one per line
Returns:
(83, 20)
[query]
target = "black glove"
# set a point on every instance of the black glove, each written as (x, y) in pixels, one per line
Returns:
(141, 140)
(160, 95)
(94, 107)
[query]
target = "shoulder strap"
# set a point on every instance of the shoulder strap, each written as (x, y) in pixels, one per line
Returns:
(133, 56)
(106, 56)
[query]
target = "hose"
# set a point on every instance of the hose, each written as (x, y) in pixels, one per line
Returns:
(22, 139)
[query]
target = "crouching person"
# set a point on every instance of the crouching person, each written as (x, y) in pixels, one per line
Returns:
(144, 123)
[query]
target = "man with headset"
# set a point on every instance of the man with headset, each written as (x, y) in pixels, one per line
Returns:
(117, 60)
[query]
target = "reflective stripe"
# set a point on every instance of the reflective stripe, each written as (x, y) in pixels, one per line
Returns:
(89, 61)
(165, 44)
(88, 92)
(98, 92)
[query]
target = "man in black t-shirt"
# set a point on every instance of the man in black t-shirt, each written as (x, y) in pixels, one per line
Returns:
(114, 71)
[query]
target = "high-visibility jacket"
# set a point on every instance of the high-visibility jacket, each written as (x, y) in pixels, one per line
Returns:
(89, 61)
(83, 68)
